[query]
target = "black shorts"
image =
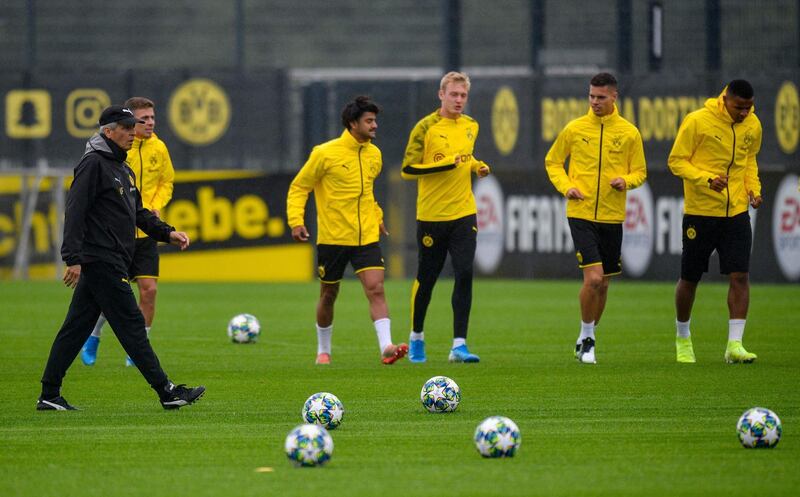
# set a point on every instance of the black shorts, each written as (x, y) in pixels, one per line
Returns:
(435, 239)
(145, 259)
(731, 237)
(597, 243)
(332, 260)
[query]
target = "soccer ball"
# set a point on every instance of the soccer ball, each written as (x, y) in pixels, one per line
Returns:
(309, 445)
(759, 428)
(440, 394)
(323, 409)
(244, 328)
(497, 436)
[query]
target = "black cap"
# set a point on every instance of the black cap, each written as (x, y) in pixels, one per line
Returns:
(117, 114)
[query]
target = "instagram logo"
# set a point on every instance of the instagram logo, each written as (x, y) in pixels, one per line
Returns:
(84, 106)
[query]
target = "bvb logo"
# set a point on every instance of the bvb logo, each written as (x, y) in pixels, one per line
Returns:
(199, 112)
(321, 271)
(427, 240)
(505, 120)
(691, 234)
(787, 117)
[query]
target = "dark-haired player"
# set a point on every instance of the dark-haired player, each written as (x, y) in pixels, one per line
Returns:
(715, 155)
(606, 159)
(342, 173)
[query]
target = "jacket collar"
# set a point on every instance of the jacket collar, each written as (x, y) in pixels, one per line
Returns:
(351, 142)
(105, 147)
(138, 142)
(717, 107)
(605, 119)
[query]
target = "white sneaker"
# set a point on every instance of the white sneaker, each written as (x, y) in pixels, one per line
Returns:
(584, 351)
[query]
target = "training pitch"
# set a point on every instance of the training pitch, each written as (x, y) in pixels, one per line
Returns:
(637, 423)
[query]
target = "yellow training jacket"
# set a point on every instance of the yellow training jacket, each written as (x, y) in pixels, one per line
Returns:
(150, 161)
(710, 144)
(444, 191)
(600, 149)
(341, 172)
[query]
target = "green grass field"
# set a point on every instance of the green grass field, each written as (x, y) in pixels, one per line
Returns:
(635, 424)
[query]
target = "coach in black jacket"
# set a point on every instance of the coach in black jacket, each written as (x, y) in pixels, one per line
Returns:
(103, 210)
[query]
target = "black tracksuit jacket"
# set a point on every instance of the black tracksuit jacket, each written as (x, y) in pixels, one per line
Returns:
(104, 208)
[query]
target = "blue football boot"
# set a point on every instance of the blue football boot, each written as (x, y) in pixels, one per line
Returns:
(462, 354)
(89, 350)
(416, 351)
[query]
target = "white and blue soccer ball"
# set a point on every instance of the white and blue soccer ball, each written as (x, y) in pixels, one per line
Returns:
(309, 445)
(440, 394)
(497, 436)
(324, 409)
(758, 428)
(244, 328)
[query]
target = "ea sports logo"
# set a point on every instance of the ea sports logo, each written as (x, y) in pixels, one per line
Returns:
(637, 239)
(786, 227)
(489, 200)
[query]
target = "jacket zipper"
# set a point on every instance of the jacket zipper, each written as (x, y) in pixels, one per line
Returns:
(358, 210)
(141, 168)
(599, 172)
(141, 181)
(728, 172)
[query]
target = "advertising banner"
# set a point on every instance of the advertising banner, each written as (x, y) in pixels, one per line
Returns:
(523, 230)
(236, 221)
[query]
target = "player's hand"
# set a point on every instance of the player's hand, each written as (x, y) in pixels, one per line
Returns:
(383, 229)
(755, 201)
(574, 194)
(180, 239)
(719, 183)
(457, 160)
(300, 234)
(483, 171)
(618, 184)
(72, 275)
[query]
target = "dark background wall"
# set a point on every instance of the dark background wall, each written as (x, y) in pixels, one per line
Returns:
(286, 68)
(256, 34)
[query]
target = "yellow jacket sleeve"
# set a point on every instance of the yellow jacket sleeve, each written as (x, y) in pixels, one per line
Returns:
(554, 162)
(477, 164)
(166, 183)
(752, 183)
(683, 149)
(301, 186)
(637, 166)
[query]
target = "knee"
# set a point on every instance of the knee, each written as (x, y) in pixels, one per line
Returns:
(595, 283)
(740, 280)
(374, 290)
(328, 296)
(464, 274)
(148, 294)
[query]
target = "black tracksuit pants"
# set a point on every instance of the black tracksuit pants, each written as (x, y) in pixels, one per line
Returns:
(102, 288)
(434, 241)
